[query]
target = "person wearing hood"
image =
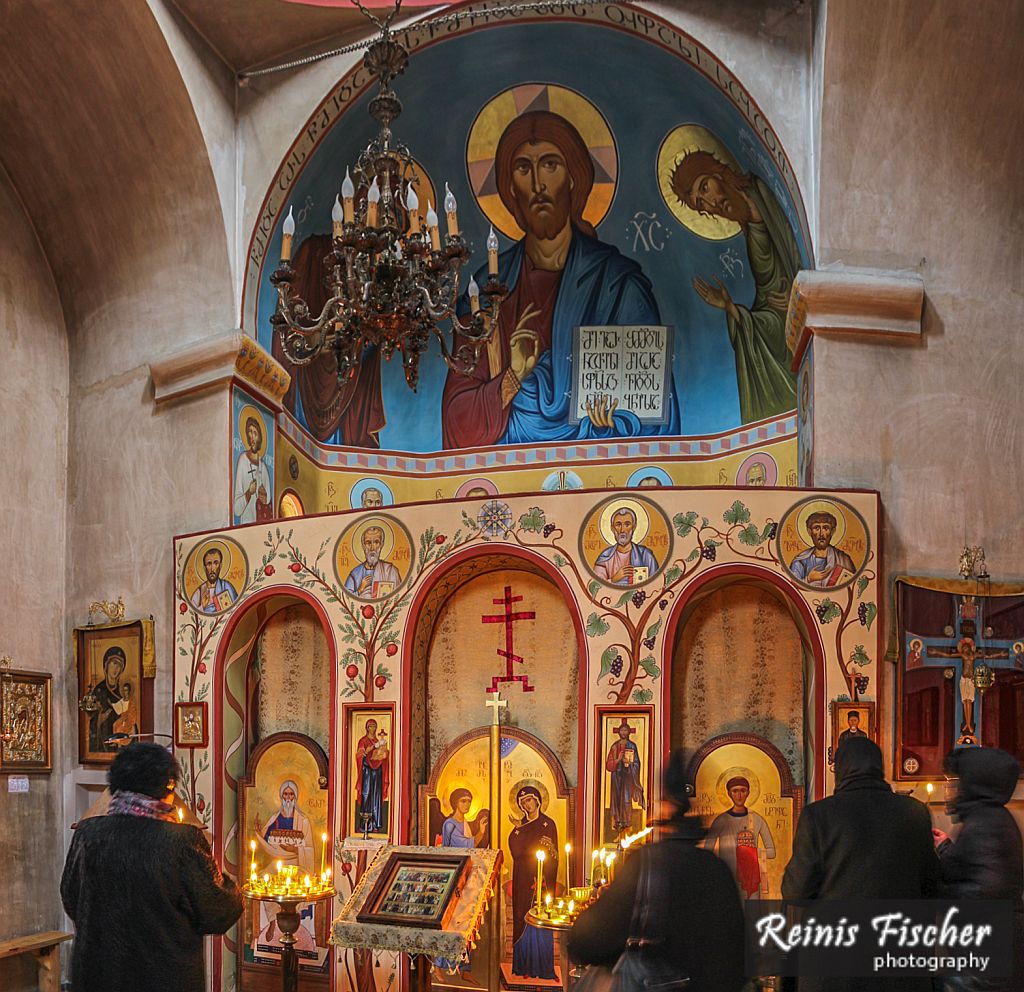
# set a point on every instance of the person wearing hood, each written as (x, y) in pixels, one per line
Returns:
(863, 842)
(985, 861)
(695, 902)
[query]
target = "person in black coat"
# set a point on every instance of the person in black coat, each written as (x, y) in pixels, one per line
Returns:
(142, 888)
(863, 842)
(986, 859)
(695, 903)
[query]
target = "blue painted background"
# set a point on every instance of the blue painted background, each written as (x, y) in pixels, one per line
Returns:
(643, 92)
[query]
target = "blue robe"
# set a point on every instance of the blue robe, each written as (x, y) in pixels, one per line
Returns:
(598, 286)
(639, 557)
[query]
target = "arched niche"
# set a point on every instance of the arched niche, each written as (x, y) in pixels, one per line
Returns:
(231, 738)
(744, 657)
(452, 660)
(289, 667)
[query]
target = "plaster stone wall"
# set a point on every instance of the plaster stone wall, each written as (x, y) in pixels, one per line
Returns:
(920, 171)
(34, 413)
(920, 130)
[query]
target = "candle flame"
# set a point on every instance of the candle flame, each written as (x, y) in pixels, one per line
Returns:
(541, 855)
(181, 815)
(252, 846)
(568, 848)
(633, 838)
(929, 788)
(572, 907)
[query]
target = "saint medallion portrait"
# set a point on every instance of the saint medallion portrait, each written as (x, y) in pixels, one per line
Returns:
(625, 541)
(214, 575)
(823, 543)
(372, 557)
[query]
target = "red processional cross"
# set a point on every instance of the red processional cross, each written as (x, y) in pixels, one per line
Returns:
(508, 618)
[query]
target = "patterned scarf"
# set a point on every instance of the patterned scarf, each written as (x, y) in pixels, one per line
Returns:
(136, 804)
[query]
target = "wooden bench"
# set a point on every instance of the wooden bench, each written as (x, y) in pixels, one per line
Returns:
(45, 948)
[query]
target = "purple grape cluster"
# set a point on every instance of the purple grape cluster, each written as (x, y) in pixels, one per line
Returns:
(663, 604)
(772, 531)
(708, 551)
(862, 682)
(617, 666)
(649, 643)
(862, 614)
(821, 611)
(638, 598)
(549, 529)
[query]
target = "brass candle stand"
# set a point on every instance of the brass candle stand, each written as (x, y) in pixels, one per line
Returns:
(283, 890)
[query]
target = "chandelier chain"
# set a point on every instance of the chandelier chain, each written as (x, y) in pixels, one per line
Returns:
(542, 6)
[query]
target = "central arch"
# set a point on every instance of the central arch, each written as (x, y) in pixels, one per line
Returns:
(458, 569)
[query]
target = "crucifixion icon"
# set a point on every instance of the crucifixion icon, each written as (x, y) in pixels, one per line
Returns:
(508, 618)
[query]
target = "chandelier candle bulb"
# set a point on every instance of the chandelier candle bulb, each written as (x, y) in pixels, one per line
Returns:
(348, 195)
(432, 229)
(450, 208)
(287, 232)
(474, 295)
(412, 204)
(337, 215)
(372, 203)
(540, 879)
(492, 264)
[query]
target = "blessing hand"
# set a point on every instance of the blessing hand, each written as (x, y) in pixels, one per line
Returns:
(601, 411)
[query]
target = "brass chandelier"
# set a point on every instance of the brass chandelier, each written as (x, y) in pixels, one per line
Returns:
(391, 276)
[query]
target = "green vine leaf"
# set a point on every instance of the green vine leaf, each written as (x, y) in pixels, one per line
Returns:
(642, 696)
(649, 665)
(596, 627)
(827, 611)
(560, 562)
(623, 599)
(684, 523)
(693, 555)
(672, 575)
(870, 613)
(858, 656)
(652, 631)
(751, 536)
(736, 514)
(533, 520)
(862, 584)
(593, 587)
(609, 656)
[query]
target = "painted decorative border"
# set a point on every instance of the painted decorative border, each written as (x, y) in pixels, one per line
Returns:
(442, 462)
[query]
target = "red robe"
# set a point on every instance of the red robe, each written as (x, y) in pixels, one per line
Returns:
(355, 407)
(472, 413)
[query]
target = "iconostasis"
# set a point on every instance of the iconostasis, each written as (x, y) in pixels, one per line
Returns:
(604, 527)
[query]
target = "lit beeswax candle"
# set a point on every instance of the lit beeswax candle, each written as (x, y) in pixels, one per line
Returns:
(412, 204)
(540, 878)
(450, 208)
(287, 232)
(348, 196)
(492, 257)
(337, 215)
(372, 203)
(432, 229)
